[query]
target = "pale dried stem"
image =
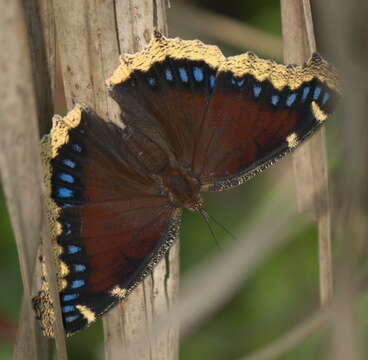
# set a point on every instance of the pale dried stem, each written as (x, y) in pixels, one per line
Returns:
(345, 24)
(90, 36)
(310, 160)
(20, 162)
(155, 296)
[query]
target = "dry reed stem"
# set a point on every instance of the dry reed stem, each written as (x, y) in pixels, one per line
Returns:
(20, 163)
(90, 36)
(345, 24)
(41, 39)
(310, 160)
(135, 21)
(195, 22)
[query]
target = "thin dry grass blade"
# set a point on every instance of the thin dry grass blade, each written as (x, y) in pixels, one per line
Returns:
(294, 337)
(310, 160)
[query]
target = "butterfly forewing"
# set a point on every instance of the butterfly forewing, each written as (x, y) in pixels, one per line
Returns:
(254, 118)
(166, 92)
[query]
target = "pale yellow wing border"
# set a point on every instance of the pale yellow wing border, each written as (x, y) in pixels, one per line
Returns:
(159, 49)
(248, 63)
(50, 146)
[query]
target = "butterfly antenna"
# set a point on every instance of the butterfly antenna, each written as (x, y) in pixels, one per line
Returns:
(206, 218)
(222, 226)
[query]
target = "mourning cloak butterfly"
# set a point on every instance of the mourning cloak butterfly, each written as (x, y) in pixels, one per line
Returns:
(193, 121)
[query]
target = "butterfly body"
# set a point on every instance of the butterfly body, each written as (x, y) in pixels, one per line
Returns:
(192, 121)
(182, 188)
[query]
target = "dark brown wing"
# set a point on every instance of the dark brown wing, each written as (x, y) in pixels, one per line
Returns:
(225, 119)
(257, 113)
(164, 91)
(109, 222)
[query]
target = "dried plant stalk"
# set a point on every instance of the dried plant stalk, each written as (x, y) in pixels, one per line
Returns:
(344, 23)
(135, 23)
(90, 37)
(20, 164)
(310, 160)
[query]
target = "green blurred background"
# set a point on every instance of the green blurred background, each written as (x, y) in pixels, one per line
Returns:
(279, 295)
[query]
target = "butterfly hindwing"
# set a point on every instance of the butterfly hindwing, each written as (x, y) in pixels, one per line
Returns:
(109, 223)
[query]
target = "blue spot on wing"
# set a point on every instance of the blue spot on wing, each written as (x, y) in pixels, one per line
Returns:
(71, 318)
(317, 93)
(326, 97)
(240, 82)
(183, 75)
(72, 249)
(151, 81)
(77, 147)
(67, 178)
(67, 228)
(77, 284)
(275, 99)
(198, 74)
(290, 99)
(79, 267)
(69, 297)
(67, 308)
(256, 91)
(67, 204)
(305, 93)
(169, 75)
(212, 81)
(69, 163)
(64, 192)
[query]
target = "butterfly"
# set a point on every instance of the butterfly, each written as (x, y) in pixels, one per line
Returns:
(192, 121)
